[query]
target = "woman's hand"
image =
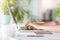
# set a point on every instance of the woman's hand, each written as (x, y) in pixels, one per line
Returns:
(50, 26)
(39, 25)
(30, 25)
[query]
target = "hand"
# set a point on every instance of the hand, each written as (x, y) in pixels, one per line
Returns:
(29, 25)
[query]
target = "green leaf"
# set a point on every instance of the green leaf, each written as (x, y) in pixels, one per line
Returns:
(58, 10)
(15, 11)
(12, 2)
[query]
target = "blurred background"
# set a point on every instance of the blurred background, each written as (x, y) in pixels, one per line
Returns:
(20, 12)
(21, 9)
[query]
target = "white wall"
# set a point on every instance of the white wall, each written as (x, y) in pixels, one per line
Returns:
(58, 1)
(34, 7)
(46, 4)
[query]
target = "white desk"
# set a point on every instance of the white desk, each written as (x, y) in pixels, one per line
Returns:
(54, 36)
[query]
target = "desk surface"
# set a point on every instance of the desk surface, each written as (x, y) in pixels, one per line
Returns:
(53, 36)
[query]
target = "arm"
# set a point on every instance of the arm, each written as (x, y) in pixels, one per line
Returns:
(51, 26)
